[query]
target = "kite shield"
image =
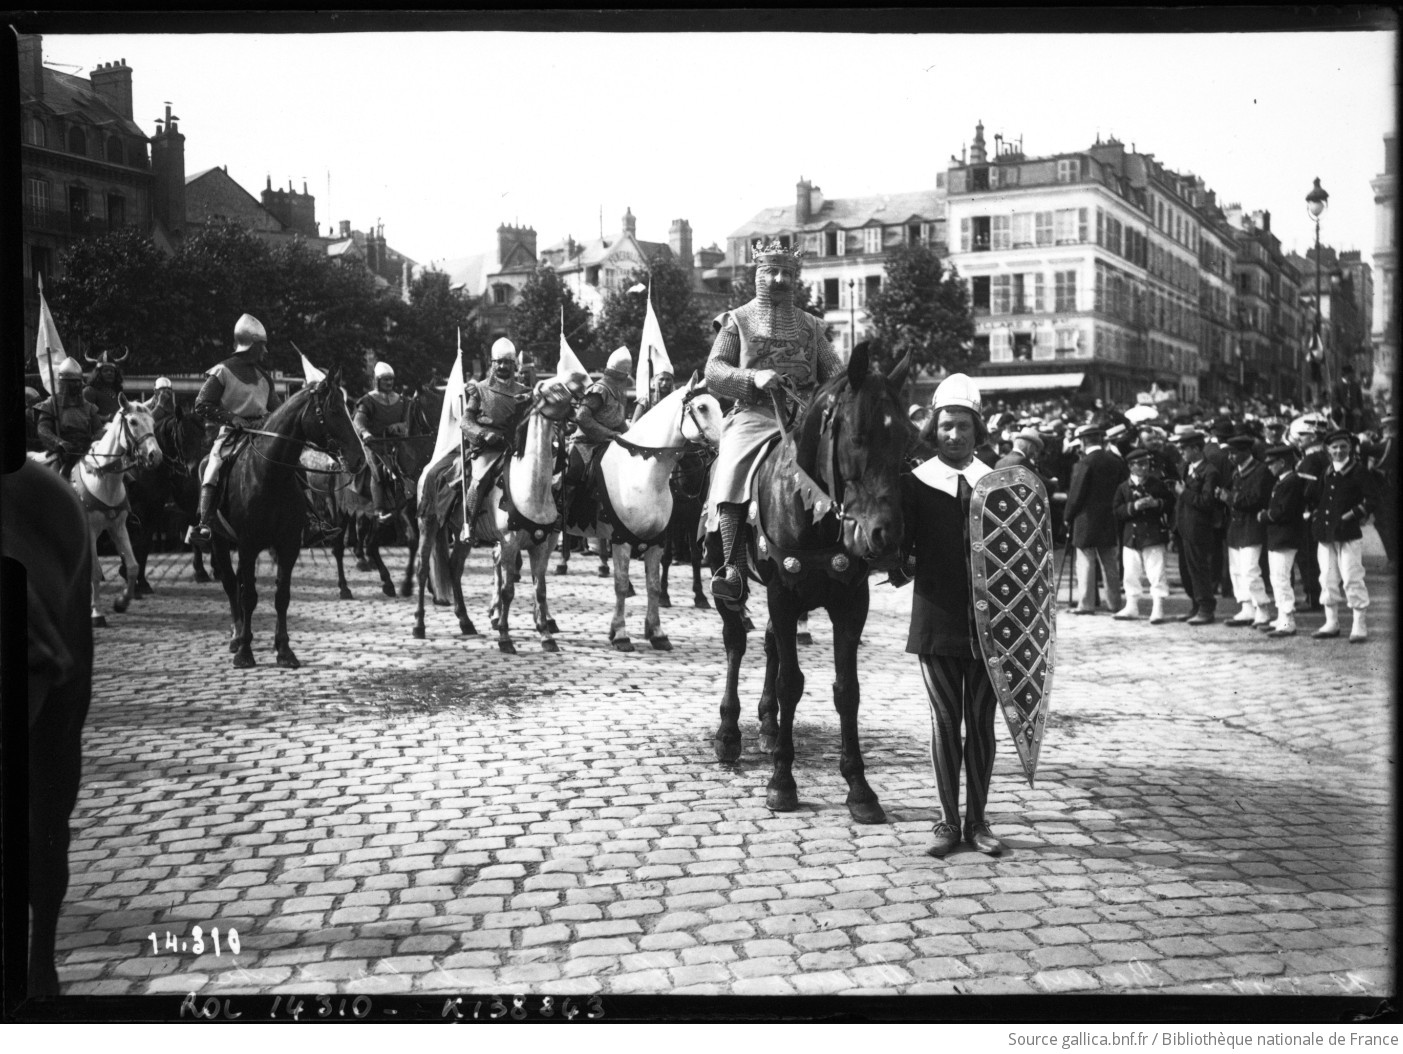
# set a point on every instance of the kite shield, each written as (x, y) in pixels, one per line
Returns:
(1010, 530)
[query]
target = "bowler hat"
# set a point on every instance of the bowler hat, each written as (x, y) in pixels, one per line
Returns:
(1223, 427)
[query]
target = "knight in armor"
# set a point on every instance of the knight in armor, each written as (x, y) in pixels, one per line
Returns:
(381, 413)
(661, 385)
(492, 412)
(162, 401)
(936, 502)
(238, 394)
(104, 388)
(32, 399)
(67, 424)
(760, 347)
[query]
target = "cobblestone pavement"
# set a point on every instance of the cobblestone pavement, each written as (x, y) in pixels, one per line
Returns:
(1212, 812)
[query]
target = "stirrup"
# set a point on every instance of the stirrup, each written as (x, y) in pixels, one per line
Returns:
(200, 536)
(728, 585)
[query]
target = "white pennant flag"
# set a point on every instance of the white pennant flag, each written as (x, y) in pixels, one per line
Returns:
(310, 372)
(652, 353)
(48, 348)
(449, 437)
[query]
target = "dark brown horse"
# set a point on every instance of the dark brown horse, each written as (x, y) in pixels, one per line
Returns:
(184, 441)
(44, 530)
(264, 505)
(690, 480)
(828, 537)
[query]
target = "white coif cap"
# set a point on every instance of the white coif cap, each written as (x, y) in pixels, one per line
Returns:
(956, 390)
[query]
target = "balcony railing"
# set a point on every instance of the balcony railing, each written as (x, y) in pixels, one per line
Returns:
(61, 221)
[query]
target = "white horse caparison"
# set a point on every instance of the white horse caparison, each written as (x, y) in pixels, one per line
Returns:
(99, 480)
(640, 494)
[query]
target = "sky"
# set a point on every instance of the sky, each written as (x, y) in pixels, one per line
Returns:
(442, 136)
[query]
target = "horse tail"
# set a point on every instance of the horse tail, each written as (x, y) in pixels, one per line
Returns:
(439, 582)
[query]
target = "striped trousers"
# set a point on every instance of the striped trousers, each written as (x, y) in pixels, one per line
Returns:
(960, 692)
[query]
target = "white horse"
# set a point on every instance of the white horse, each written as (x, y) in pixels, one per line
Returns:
(99, 479)
(519, 514)
(635, 471)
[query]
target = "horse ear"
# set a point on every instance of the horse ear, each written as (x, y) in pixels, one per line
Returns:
(697, 384)
(858, 362)
(897, 377)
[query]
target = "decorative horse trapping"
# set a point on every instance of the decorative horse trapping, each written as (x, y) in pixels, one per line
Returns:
(1010, 533)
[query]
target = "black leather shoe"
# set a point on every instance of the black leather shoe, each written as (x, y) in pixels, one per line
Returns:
(979, 836)
(1193, 613)
(1202, 619)
(947, 836)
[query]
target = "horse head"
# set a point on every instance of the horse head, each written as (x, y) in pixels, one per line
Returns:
(333, 430)
(701, 414)
(858, 433)
(140, 427)
(551, 400)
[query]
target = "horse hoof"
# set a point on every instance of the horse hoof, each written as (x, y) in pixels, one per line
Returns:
(144, 590)
(388, 590)
(418, 632)
(867, 812)
(768, 743)
(623, 644)
(363, 565)
(467, 629)
(551, 627)
(442, 603)
(120, 604)
(782, 800)
(202, 577)
(289, 661)
(562, 569)
(661, 643)
(506, 647)
(700, 601)
(664, 601)
(495, 626)
(406, 591)
(804, 638)
(727, 750)
(346, 595)
(549, 645)
(243, 660)
(99, 621)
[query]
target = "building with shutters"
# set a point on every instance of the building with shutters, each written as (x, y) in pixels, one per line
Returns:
(1385, 313)
(845, 243)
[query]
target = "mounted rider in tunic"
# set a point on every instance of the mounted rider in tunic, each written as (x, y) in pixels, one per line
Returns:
(381, 413)
(602, 415)
(493, 410)
(162, 402)
(238, 394)
(67, 424)
(104, 389)
(761, 346)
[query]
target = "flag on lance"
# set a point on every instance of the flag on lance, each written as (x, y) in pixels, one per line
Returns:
(652, 353)
(48, 348)
(448, 439)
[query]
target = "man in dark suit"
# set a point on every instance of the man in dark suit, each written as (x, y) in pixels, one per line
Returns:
(1383, 459)
(1090, 501)
(1142, 506)
(1286, 533)
(1198, 516)
(1247, 495)
(1343, 499)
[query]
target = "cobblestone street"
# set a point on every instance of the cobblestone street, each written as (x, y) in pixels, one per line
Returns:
(1212, 812)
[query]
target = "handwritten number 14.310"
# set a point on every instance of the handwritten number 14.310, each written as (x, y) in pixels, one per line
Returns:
(196, 943)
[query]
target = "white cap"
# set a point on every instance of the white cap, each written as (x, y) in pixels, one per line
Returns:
(502, 348)
(383, 369)
(163, 382)
(620, 361)
(956, 390)
(248, 331)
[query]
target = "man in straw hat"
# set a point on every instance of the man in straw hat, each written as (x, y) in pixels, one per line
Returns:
(761, 348)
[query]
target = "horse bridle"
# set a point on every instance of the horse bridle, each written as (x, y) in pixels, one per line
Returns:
(117, 462)
(329, 446)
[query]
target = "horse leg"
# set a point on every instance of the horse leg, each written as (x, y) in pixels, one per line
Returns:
(428, 537)
(802, 634)
(457, 557)
(372, 552)
(360, 530)
(411, 534)
(652, 576)
(699, 597)
(727, 740)
(118, 533)
(247, 600)
(221, 561)
(197, 560)
(566, 544)
(782, 795)
(141, 538)
(338, 552)
(99, 620)
(618, 627)
(848, 620)
(769, 708)
(508, 553)
(665, 601)
(287, 559)
(545, 625)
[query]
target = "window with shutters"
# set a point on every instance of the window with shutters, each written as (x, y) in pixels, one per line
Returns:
(832, 243)
(1065, 226)
(1100, 227)
(1081, 226)
(981, 349)
(916, 234)
(1001, 233)
(979, 294)
(77, 141)
(965, 228)
(1022, 347)
(872, 239)
(1001, 292)
(831, 296)
(38, 190)
(1022, 230)
(811, 244)
(1067, 170)
(35, 132)
(873, 282)
(1000, 346)
(1065, 288)
(1045, 343)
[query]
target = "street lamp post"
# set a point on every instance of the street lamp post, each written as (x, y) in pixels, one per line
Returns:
(852, 313)
(1316, 202)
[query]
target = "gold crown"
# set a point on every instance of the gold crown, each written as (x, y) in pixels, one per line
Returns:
(775, 253)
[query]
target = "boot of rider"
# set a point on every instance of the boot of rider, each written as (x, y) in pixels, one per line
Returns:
(471, 503)
(378, 498)
(728, 584)
(201, 535)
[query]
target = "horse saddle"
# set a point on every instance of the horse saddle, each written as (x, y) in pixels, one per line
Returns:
(589, 504)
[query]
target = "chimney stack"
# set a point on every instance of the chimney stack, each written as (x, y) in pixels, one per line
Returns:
(977, 154)
(345, 228)
(168, 174)
(113, 82)
(31, 65)
(803, 202)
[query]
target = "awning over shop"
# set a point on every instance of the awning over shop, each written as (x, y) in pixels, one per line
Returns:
(1029, 382)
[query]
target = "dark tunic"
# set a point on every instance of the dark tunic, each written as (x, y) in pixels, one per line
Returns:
(1250, 493)
(75, 423)
(377, 415)
(1285, 513)
(1198, 512)
(1090, 497)
(1141, 528)
(1336, 493)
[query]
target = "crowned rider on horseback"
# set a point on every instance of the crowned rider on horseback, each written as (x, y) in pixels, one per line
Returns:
(66, 422)
(760, 346)
(493, 409)
(239, 394)
(104, 389)
(381, 413)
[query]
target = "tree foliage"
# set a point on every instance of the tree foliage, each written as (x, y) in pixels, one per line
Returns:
(924, 309)
(685, 328)
(177, 314)
(535, 320)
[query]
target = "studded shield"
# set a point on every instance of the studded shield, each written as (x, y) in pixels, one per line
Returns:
(1010, 531)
